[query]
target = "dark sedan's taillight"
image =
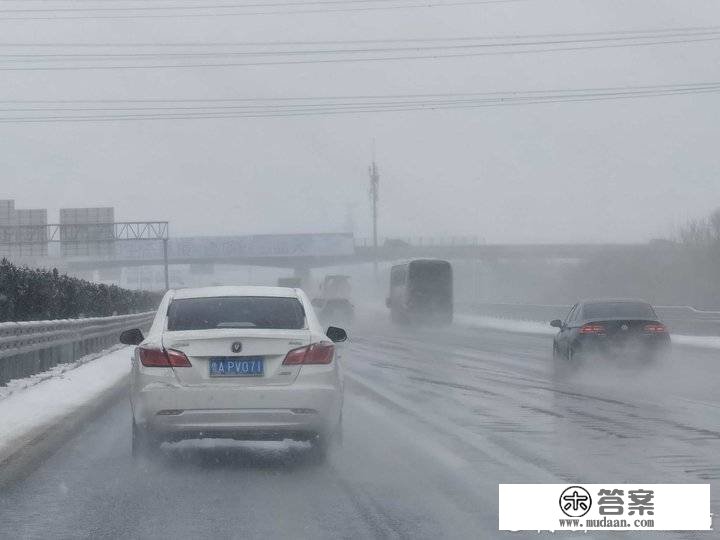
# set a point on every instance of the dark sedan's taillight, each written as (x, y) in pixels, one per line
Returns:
(655, 328)
(592, 329)
(152, 357)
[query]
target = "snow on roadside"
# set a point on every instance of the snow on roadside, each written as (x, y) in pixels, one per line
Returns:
(508, 325)
(16, 385)
(705, 342)
(47, 401)
(544, 328)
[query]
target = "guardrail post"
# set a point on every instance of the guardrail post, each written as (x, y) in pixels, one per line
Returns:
(165, 263)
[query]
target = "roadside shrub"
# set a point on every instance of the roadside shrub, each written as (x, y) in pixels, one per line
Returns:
(28, 294)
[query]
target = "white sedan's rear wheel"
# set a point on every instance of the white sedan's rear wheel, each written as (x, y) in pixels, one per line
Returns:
(339, 433)
(323, 444)
(319, 449)
(143, 444)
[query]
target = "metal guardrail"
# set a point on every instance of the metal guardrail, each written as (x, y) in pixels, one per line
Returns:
(680, 319)
(27, 348)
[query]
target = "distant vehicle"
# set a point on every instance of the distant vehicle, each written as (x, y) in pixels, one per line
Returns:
(249, 363)
(334, 301)
(421, 291)
(618, 328)
(336, 286)
(395, 243)
(291, 282)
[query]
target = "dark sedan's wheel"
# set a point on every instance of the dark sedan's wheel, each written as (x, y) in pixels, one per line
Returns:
(573, 357)
(560, 365)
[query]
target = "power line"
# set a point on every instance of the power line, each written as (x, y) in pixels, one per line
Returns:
(270, 3)
(629, 34)
(494, 94)
(374, 104)
(436, 56)
(458, 43)
(238, 11)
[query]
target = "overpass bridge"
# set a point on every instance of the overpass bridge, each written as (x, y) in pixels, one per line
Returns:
(346, 252)
(90, 246)
(137, 244)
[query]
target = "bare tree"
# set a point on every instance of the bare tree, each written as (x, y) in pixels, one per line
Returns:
(701, 232)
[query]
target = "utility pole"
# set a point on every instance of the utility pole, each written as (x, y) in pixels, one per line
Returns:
(374, 196)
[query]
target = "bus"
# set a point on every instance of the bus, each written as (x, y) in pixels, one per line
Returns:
(421, 291)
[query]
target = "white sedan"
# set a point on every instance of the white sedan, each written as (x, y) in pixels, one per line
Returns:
(249, 363)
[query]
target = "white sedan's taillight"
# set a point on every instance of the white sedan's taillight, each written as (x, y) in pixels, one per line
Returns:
(317, 353)
(151, 357)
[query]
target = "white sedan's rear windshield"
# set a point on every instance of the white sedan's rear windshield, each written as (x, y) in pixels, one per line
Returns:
(236, 312)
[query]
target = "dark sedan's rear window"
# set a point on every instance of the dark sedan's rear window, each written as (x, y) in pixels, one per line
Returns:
(618, 310)
(236, 312)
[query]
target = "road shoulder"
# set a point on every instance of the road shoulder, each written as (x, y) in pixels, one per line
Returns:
(39, 419)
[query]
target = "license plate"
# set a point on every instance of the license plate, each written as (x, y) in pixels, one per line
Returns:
(237, 366)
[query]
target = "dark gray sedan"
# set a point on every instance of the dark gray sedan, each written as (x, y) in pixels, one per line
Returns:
(616, 328)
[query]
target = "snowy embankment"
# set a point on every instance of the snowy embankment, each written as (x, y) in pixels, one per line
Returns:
(508, 325)
(28, 407)
(544, 328)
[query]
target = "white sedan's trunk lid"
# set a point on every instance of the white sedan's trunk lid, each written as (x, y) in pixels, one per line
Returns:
(217, 345)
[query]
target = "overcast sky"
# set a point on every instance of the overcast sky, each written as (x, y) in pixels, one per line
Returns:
(590, 171)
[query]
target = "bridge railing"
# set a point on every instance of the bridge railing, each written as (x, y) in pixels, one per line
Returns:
(27, 348)
(422, 241)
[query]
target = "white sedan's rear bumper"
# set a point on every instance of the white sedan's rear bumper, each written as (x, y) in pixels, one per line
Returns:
(311, 405)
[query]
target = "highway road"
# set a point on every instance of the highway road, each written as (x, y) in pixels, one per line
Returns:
(434, 421)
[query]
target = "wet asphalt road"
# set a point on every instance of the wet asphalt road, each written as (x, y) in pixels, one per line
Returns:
(434, 420)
